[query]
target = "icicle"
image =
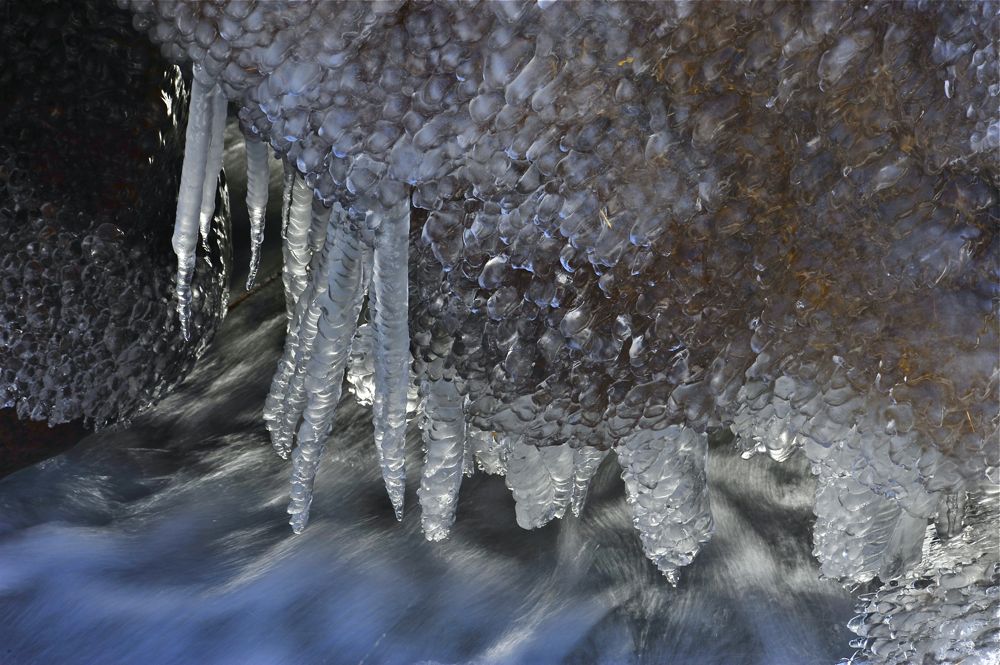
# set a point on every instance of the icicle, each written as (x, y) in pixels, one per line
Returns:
(665, 484)
(951, 514)
(217, 109)
(390, 322)
(340, 304)
(444, 440)
(258, 177)
(468, 457)
(586, 461)
(361, 367)
(190, 194)
(541, 480)
(489, 451)
(859, 534)
(296, 246)
(286, 399)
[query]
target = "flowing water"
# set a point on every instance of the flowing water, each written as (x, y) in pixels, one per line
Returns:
(167, 543)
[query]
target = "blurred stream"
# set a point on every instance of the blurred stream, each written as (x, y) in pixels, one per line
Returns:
(168, 543)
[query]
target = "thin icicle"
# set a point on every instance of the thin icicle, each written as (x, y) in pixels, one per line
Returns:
(189, 196)
(586, 461)
(444, 440)
(340, 305)
(951, 513)
(665, 484)
(258, 176)
(217, 109)
(389, 301)
(287, 398)
(296, 248)
(541, 480)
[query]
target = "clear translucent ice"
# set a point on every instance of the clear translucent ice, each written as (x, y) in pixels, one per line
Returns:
(676, 220)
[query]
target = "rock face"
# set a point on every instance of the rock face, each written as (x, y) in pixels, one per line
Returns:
(91, 138)
(638, 217)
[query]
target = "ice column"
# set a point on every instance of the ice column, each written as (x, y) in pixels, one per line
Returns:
(340, 304)
(258, 176)
(389, 301)
(665, 483)
(444, 440)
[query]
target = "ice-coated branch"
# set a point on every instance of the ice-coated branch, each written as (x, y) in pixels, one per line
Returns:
(444, 440)
(390, 323)
(340, 304)
(258, 176)
(189, 197)
(665, 484)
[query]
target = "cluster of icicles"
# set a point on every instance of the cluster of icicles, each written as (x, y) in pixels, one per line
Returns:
(336, 258)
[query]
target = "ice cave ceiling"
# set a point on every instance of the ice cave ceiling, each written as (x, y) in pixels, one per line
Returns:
(549, 232)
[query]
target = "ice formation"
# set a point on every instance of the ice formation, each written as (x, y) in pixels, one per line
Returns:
(91, 141)
(617, 226)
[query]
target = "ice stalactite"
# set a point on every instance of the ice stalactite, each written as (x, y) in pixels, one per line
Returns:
(286, 399)
(444, 440)
(297, 246)
(665, 484)
(198, 140)
(361, 371)
(541, 480)
(361, 367)
(489, 451)
(298, 223)
(389, 301)
(951, 513)
(258, 176)
(586, 461)
(881, 539)
(216, 143)
(339, 302)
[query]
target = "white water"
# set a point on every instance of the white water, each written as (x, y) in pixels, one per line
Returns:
(168, 544)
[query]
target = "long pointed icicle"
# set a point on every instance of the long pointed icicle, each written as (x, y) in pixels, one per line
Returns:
(296, 246)
(341, 305)
(287, 398)
(189, 197)
(302, 333)
(444, 439)
(390, 323)
(258, 177)
(541, 480)
(665, 484)
(217, 108)
(586, 461)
